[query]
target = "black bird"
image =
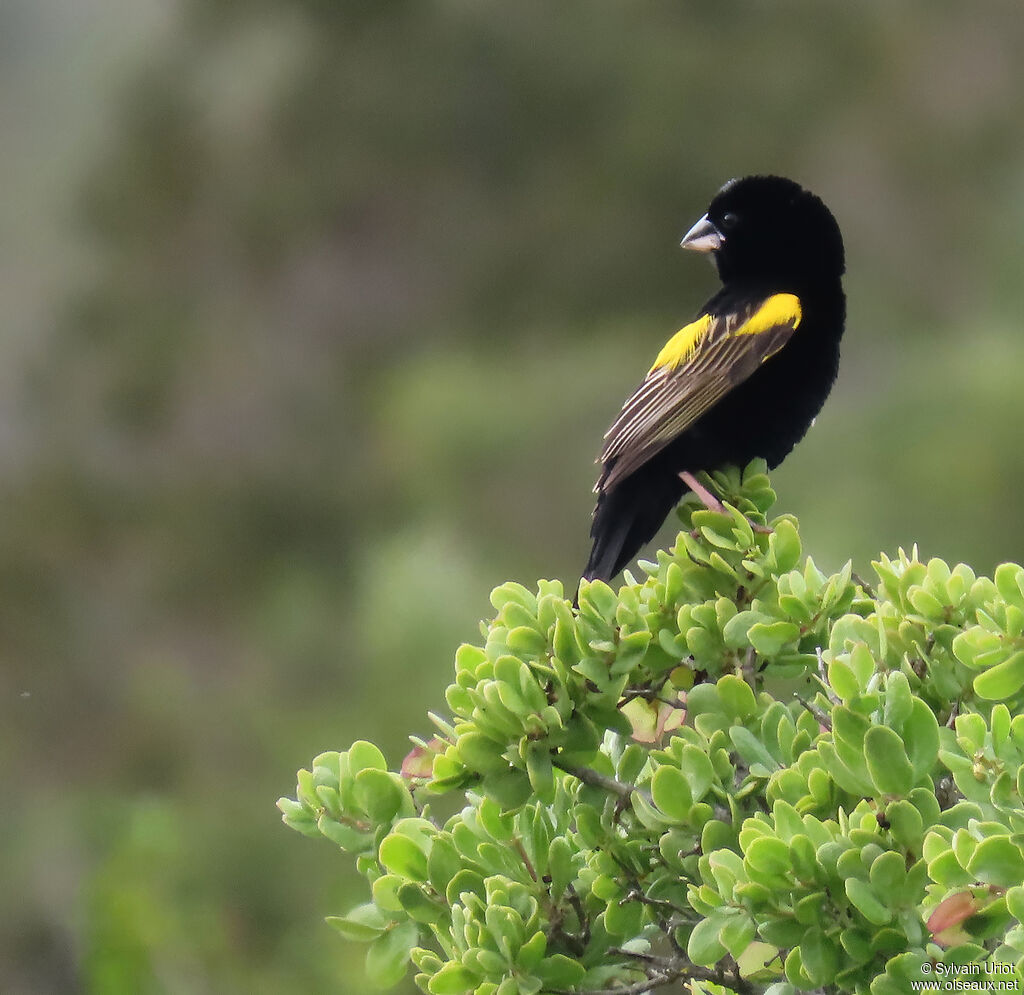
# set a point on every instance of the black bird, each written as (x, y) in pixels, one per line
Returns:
(742, 381)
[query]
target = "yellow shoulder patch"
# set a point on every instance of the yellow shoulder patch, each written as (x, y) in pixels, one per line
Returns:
(683, 344)
(776, 311)
(779, 309)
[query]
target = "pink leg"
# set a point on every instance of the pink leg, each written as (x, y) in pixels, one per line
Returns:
(706, 497)
(712, 503)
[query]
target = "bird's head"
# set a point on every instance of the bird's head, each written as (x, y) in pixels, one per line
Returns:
(768, 227)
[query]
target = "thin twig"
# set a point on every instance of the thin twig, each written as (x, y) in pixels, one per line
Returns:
(581, 914)
(823, 719)
(747, 669)
(648, 694)
(662, 963)
(823, 675)
(517, 845)
(576, 945)
(596, 779)
(636, 894)
(654, 981)
(672, 970)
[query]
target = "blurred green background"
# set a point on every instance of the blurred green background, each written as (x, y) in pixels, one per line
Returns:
(315, 313)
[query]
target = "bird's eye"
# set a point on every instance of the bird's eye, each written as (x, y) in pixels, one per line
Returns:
(729, 221)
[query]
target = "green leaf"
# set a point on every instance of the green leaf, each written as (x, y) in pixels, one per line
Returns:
(419, 905)
(443, 863)
(887, 873)
(671, 793)
(400, 855)
(531, 952)
(898, 699)
(481, 753)
(1015, 902)
(753, 751)
(782, 932)
(726, 867)
(347, 837)
(597, 599)
(784, 545)
(468, 658)
(926, 603)
(769, 639)
(704, 946)
(630, 652)
(802, 857)
(559, 971)
(526, 641)
(452, 979)
(768, 856)
(296, 816)
(499, 824)
(698, 770)
(946, 870)
(888, 765)
(978, 648)
(581, 740)
(385, 892)
(380, 794)
(737, 934)
(920, 735)
(560, 867)
(849, 727)
(857, 944)
(1009, 578)
(387, 958)
(510, 787)
(809, 910)
(819, 956)
(866, 903)
(365, 922)
(997, 861)
(736, 697)
(794, 968)
(566, 647)
(513, 593)
(632, 761)
(862, 663)
(540, 770)
(843, 680)
(780, 988)
(1000, 723)
(425, 960)
(1003, 680)
(624, 919)
(464, 881)
(905, 824)
(847, 779)
(365, 756)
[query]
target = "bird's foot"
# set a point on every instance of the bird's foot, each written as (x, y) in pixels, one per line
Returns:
(706, 497)
(713, 504)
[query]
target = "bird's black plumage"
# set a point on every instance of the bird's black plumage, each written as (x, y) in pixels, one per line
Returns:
(745, 379)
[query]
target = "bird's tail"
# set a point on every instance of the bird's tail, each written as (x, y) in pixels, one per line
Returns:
(626, 517)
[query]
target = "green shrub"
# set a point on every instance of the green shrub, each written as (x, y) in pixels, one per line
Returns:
(738, 771)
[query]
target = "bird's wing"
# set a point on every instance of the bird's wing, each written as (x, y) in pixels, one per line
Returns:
(699, 365)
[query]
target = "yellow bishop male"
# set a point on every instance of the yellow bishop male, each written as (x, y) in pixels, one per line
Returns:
(744, 380)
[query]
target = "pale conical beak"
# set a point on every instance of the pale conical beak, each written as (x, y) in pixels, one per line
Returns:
(703, 237)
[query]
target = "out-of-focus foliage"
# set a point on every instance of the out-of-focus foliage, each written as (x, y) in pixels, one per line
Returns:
(309, 304)
(842, 809)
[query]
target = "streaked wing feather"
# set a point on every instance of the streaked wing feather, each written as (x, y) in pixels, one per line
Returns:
(670, 400)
